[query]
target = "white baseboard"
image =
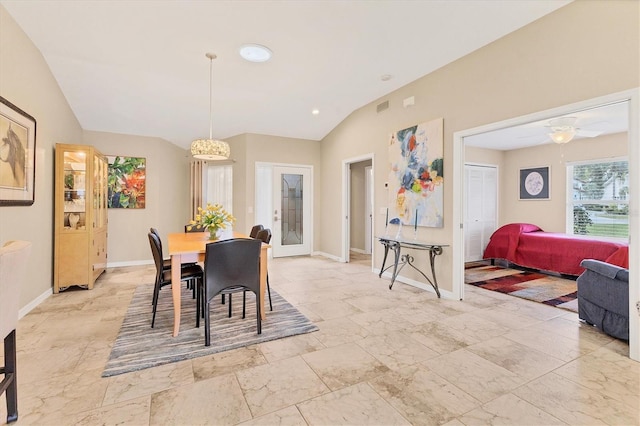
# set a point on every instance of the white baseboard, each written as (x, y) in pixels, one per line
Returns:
(445, 294)
(35, 302)
(327, 255)
(357, 250)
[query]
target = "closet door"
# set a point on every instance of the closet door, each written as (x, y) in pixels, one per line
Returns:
(481, 202)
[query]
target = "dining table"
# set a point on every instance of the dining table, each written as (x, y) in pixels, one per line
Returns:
(186, 247)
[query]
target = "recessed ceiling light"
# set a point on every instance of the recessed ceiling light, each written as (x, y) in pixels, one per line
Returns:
(386, 77)
(255, 53)
(315, 111)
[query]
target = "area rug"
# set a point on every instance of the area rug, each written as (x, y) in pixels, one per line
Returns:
(138, 346)
(531, 285)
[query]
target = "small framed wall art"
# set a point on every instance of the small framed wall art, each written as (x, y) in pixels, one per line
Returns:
(127, 182)
(17, 155)
(534, 183)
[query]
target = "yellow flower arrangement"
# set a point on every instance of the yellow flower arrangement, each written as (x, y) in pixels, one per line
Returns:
(212, 217)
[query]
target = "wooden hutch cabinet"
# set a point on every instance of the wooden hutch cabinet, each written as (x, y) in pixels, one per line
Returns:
(80, 207)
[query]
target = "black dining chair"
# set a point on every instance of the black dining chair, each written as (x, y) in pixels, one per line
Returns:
(265, 236)
(14, 256)
(255, 230)
(194, 228)
(163, 276)
(166, 263)
(231, 266)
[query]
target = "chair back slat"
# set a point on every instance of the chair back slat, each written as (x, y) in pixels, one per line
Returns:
(255, 230)
(156, 250)
(231, 263)
(264, 235)
(194, 228)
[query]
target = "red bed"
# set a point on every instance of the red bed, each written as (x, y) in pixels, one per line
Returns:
(527, 245)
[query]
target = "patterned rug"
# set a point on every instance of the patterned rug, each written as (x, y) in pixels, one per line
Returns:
(138, 346)
(531, 285)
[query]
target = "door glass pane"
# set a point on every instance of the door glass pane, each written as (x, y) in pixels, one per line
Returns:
(291, 209)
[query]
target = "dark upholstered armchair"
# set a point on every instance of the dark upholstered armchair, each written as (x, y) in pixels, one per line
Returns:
(603, 297)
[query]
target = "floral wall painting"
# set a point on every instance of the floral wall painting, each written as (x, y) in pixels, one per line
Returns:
(17, 159)
(126, 182)
(416, 175)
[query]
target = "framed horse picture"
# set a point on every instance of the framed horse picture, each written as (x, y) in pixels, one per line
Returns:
(17, 155)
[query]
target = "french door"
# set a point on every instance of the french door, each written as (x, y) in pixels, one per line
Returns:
(292, 230)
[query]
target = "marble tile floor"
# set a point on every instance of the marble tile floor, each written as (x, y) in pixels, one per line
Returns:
(381, 357)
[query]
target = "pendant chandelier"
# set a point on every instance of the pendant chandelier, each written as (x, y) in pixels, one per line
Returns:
(210, 149)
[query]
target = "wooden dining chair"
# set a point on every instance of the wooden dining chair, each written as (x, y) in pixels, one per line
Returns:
(264, 235)
(255, 230)
(163, 277)
(231, 266)
(13, 264)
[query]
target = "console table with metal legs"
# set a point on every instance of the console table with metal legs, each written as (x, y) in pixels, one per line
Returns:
(400, 260)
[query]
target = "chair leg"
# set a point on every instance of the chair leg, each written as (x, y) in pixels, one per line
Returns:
(207, 325)
(258, 313)
(156, 294)
(229, 305)
(10, 382)
(198, 298)
(244, 304)
(269, 292)
(223, 299)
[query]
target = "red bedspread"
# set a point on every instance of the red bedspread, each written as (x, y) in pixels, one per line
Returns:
(527, 245)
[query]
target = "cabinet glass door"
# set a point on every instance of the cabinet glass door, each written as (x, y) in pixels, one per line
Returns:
(99, 196)
(75, 173)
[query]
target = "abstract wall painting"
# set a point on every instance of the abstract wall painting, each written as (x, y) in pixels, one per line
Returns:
(126, 182)
(416, 179)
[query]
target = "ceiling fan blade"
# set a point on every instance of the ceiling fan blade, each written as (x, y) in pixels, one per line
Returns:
(589, 133)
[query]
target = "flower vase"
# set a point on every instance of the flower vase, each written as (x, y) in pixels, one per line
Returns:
(213, 233)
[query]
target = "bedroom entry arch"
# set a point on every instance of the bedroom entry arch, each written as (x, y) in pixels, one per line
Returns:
(632, 97)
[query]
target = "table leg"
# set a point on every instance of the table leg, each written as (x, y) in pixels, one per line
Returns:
(396, 250)
(176, 261)
(263, 281)
(384, 259)
(433, 252)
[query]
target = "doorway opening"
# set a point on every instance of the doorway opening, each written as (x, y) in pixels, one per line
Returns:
(358, 196)
(463, 141)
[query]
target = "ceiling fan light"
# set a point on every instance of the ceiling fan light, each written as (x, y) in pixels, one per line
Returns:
(210, 149)
(562, 136)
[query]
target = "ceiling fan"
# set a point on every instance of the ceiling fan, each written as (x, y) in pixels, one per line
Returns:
(563, 130)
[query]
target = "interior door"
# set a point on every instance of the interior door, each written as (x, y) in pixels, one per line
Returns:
(292, 227)
(368, 208)
(481, 189)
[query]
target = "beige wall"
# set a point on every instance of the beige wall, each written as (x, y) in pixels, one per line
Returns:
(597, 44)
(483, 156)
(25, 81)
(167, 194)
(550, 214)
(273, 149)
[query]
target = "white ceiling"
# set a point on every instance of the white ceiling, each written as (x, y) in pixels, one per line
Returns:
(139, 67)
(607, 119)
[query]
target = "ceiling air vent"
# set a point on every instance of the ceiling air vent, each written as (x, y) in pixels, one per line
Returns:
(381, 107)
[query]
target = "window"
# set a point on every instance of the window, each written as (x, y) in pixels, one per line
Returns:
(598, 198)
(219, 186)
